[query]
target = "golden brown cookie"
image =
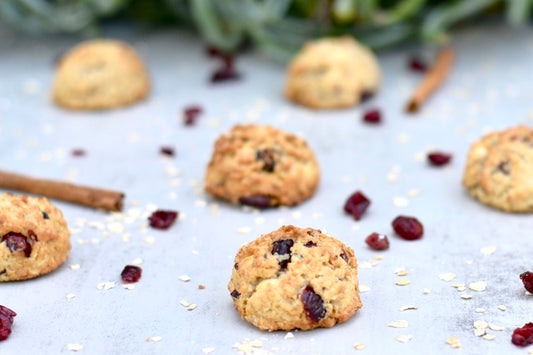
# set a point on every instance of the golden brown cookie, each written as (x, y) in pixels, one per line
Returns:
(261, 166)
(332, 73)
(34, 237)
(100, 74)
(295, 278)
(499, 169)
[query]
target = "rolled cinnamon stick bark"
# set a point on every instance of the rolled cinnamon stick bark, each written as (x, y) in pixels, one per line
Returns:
(432, 80)
(83, 195)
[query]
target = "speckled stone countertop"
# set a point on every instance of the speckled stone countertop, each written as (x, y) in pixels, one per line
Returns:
(490, 88)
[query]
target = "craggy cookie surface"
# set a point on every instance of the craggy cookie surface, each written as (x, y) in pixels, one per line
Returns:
(100, 74)
(295, 278)
(34, 237)
(261, 166)
(332, 73)
(499, 170)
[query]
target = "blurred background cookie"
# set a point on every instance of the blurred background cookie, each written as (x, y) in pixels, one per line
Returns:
(34, 237)
(332, 73)
(100, 74)
(295, 278)
(262, 166)
(499, 168)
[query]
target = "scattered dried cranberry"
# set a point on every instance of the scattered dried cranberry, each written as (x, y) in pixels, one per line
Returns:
(356, 205)
(235, 294)
(409, 228)
(16, 241)
(313, 305)
(310, 244)
(167, 151)
(78, 152)
(344, 256)
(257, 201)
(131, 273)
(523, 336)
(527, 279)
(439, 158)
(6, 321)
(372, 116)
(417, 64)
(283, 247)
(190, 115)
(224, 74)
(377, 241)
(162, 219)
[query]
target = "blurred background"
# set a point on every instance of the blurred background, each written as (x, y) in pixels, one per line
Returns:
(276, 27)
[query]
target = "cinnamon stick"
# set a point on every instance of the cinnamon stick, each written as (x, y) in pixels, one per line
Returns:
(432, 80)
(83, 195)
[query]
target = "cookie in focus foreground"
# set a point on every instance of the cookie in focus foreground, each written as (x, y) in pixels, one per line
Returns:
(332, 73)
(100, 74)
(34, 237)
(295, 278)
(262, 166)
(499, 169)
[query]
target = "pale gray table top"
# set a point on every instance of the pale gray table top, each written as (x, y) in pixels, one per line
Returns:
(490, 88)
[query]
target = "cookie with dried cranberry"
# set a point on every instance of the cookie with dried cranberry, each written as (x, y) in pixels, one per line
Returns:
(332, 73)
(100, 74)
(295, 278)
(261, 166)
(34, 237)
(499, 168)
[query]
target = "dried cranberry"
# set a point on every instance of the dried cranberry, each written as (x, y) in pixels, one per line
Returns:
(439, 158)
(377, 241)
(6, 321)
(372, 116)
(417, 64)
(527, 279)
(236, 266)
(409, 228)
(162, 219)
(283, 247)
(257, 201)
(190, 115)
(267, 156)
(167, 151)
(313, 305)
(310, 244)
(523, 336)
(224, 74)
(45, 215)
(78, 152)
(356, 205)
(131, 273)
(16, 241)
(344, 256)
(235, 294)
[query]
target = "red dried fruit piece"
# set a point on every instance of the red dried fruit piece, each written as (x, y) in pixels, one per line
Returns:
(267, 156)
(372, 116)
(523, 336)
(344, 256)
(225, 74)
(417, 64)
(356, 205)
(439, 158)
(167, 151)
(409, 228)
(235, 294)
(377, 241)
(162, 219)
(313, 305)
(131, 273)
(16, 241)
(78, 152)
(190, 115)
(283, 247)
(310, 244)
(527, 279)
(257, 201)
(6, 321)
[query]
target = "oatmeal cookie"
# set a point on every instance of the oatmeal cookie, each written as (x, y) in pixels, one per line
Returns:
(261, 166)
(34, 237)
(100, 74)
(295, 278)
(499, 168)
(332, 73)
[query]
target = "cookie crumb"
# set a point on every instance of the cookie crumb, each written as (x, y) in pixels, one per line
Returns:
(426, 291)
(128, 287)
(244, 230)
(137, 262)
(74, 266)
(453, 341)
(404, 338)
(208, 350)
(191, 307)
(398, 324)
(156, 339)
(184, 303)
(488, 250)
(488, 337)
(201, 287)
(75, 347)
(480, 328)
(289, 335)
(106, 285)
(447, 276)
(466, 297)
(502, 308)
(402, 282)
(70, 296)
(480, 310)
(184, 278)
(496, 328)
(400, 202)
(478, 286)
(364, 288)
(359, 346)
(407, 308)
(401, 272)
